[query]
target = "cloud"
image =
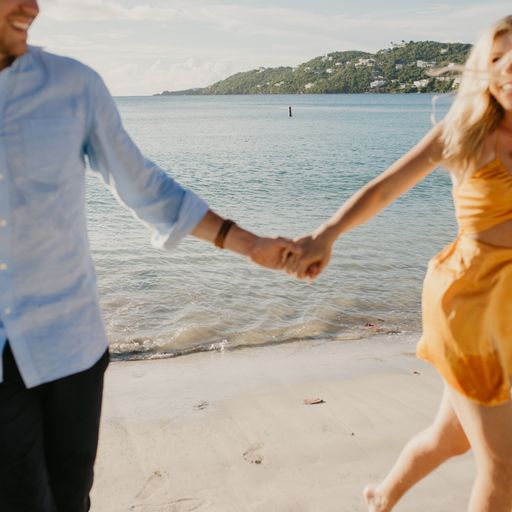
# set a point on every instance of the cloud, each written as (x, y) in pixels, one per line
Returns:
(281, 21)
(99, 10)
(160, 74)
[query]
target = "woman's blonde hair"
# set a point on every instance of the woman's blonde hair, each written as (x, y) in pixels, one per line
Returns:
(475, 113)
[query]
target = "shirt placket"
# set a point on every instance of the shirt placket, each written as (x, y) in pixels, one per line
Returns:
(5, 295)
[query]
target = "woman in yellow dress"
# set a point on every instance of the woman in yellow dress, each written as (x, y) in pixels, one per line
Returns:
(467, 293)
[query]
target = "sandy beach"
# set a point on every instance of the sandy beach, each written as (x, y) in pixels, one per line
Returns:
(230, 432)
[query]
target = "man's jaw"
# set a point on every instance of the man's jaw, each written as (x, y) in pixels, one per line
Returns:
(14, 43)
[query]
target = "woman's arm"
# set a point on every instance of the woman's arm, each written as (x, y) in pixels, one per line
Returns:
(406, 172)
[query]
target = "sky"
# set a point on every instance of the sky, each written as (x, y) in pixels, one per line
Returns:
(142, 47)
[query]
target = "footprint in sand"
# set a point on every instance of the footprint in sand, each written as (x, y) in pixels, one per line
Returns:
(201, 405)
(179, 505)
(153, 483)
(251, 454)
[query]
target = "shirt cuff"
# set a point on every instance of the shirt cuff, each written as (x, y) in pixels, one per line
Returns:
(192, 210)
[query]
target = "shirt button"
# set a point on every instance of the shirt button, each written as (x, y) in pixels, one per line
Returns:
(3, 223)
(3, 266)
(7, 311)
(1, 177)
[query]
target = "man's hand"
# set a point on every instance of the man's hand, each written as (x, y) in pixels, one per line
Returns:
(267, 252)
(316, 250)
(273, 252)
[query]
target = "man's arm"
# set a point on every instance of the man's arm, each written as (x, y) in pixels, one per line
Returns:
(267, 252)
(171, 211)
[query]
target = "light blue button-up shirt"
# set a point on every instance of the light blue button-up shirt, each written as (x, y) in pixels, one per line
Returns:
(54, 114)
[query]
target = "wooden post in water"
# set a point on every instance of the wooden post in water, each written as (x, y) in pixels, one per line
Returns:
(289, 111)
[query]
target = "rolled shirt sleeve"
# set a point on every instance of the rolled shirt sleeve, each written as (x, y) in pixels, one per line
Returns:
(169, 210)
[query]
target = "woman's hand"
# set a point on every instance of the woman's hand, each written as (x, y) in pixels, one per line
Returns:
(316, 250)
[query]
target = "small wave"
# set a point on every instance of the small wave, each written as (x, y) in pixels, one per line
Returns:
(147, 349)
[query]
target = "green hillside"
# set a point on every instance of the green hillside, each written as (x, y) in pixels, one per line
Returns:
(404, 67)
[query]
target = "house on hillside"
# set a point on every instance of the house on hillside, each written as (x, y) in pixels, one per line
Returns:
(425, 63)
(419, 84)
(365, 62)
(377, 83)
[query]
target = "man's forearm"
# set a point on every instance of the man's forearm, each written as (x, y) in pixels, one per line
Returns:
(237, 240)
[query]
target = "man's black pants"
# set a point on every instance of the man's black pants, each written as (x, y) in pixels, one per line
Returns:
(48, 439)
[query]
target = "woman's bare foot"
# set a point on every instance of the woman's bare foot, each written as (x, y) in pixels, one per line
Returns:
(374, 499)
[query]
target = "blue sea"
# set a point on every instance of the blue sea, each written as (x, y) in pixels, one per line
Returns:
(273, 174)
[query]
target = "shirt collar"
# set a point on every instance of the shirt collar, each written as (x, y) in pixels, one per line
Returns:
(23, 62)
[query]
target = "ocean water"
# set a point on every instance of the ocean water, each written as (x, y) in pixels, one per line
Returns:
(274, 175)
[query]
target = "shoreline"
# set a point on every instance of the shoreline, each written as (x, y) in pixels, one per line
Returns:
(224, 345)
(229, 431)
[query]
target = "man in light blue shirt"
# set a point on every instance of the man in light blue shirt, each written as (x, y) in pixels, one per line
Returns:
(55, 116)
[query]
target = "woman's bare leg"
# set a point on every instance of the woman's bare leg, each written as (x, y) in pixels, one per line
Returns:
(489, 430)
(444, 439)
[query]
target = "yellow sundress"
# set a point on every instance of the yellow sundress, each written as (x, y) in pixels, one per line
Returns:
(467, 294)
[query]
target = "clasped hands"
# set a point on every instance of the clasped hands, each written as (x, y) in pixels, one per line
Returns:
(304, 258)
